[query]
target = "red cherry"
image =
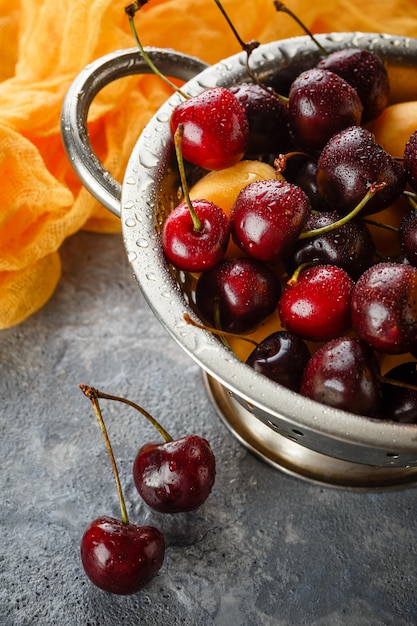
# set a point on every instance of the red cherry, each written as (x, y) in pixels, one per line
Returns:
(400, 402)
(384, 307)
(349, 164)
(191, 248)
(316, 305)
(282, 357)
(175, 476)
(236, 295)
(121, 558)
(407, 234)
(267, 218)
(366, 72)
(344, 373)
(321, 104)
(410, 160)
(216, 128)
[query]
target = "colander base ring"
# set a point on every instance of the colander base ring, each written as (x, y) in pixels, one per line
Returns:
(295, 459)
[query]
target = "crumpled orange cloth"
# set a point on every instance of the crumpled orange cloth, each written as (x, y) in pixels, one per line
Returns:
(46, 43)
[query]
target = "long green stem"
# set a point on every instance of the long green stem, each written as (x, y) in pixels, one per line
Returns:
(412, 198)
(130, 10)
(178, 135)
(93, 395)
(389, 227)
(374, 188)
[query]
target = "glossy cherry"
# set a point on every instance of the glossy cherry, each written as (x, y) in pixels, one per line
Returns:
(349, 164)
(384, 307)
(315, 304)
(400, 402)
(120, 557)
(195, 234)
(267, 218)
(216, 128)
(320, 104)
(410, 160)
(267, 117)
(237, 294)
(195, 248)
(282, 357)
(350, 246)
(344, 374)
(407, 234)
(300, 169)
(366, 72)
(175, 476)
(117, 556)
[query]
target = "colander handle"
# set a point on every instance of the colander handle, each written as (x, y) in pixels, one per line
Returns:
(88, 167)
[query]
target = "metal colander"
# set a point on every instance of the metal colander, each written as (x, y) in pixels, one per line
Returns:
(295, 434)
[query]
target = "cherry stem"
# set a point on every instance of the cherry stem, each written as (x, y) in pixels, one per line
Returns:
(130, 10)
(294, 278)
(389, 227)
(93, 395)
(218, 332)
(178, 135)
(106, 396)
(397, 383)
(374, 188)
(281, 7)
(412, 198)
(246, 47)
(280, 162)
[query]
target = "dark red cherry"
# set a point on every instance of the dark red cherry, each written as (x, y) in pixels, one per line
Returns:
(349, 246)
(344, 374)
(349, 164)
(400, 403)
(267, 218)
(195, 248)
(384, 307)
(121, 558)
(267, 118)
(408, 236)
(321, 104)
(282, 357)
(316, 305)
(410, 161)
(175, 476)
(237, 294)
(366, 72)
(215, 128)
(302, 172)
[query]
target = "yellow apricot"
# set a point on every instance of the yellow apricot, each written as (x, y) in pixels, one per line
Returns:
(394, 127)
(222, 186)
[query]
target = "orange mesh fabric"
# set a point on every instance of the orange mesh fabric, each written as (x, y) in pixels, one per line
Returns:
(45, 44)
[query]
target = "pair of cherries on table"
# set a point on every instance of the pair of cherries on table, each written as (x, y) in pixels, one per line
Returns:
(175, 476)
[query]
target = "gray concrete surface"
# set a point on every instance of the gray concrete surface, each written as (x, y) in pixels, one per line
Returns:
(265, 549)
